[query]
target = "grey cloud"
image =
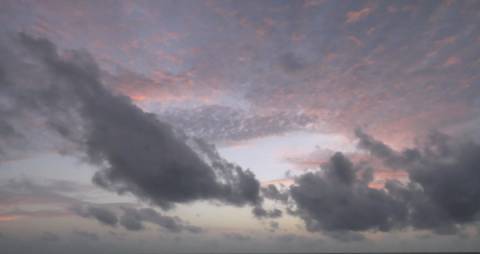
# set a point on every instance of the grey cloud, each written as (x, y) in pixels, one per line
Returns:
(443, 192)
(222, 123)
(441, 196)
(47, 213)
(102, 215)
(378, 149)
(273, 193)
(137, 153)
(261, 213)
(133, 219)
(392, 75)
(17, 191)
(336, 200)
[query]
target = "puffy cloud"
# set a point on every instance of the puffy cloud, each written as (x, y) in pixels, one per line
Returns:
(272, 192)
(261, 213)
(137, 153)
(337, 200)
(442, 193)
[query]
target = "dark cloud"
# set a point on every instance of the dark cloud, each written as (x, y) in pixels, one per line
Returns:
(137, 153)
(336, 200)
(133, 219)
(442, 194)
(378, 149)
(102, 215)
(262, 213)
(273, 193)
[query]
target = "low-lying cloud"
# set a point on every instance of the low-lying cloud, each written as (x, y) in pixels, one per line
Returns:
(134, 219)
(442, 195)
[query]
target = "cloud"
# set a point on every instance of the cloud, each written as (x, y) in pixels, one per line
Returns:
(133, 219)
(223, 123)
(441, 195)
(262, 213)
(102, 215)
(272, 192)
(137, 153)
(47, 213)
(354, 16)
(392, 79)
(378, 149)
(337, 200)
(443, 192)
(15, 192)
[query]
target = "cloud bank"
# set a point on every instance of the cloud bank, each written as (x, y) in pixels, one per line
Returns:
(442, 195)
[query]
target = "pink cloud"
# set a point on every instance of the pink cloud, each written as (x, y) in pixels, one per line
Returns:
(453, 60)
(354, 16)
(355, 40)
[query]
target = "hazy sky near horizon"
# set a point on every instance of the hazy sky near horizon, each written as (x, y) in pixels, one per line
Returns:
(239, 126)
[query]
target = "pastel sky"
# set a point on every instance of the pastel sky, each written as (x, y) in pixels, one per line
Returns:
(239, 126)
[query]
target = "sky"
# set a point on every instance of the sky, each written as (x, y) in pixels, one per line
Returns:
(239, 126)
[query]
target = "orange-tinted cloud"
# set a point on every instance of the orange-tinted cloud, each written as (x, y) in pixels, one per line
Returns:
(354, 16)
(7, 218)
(453, 60)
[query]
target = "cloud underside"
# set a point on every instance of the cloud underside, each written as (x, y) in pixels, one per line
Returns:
(62, 94)
(442, 195)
